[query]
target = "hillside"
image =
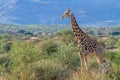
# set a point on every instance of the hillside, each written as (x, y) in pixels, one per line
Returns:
(52, 29)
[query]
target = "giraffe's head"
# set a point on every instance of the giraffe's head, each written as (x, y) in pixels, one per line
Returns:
(67, 13)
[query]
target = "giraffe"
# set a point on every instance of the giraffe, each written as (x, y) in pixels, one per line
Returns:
(89, 45)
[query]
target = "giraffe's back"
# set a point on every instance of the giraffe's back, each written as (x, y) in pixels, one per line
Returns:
(92, 46)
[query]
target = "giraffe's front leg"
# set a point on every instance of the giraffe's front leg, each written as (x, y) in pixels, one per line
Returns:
(83, 60)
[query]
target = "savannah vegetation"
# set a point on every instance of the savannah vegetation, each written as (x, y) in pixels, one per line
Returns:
(49, 52)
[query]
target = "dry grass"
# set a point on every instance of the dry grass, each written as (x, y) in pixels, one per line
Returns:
(87, 75)
(3, 77)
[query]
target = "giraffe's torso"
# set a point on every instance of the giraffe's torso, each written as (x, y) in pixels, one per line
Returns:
(88, 45)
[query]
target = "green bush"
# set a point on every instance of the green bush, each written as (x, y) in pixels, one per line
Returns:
(7, 46)
(21, 56)
(68, 55)
(3, 63)
(66, 36)
(118, 44)
(115, 64)
(111, 41)
(48, 69)
(48, 47)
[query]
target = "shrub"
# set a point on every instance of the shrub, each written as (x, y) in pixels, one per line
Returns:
(66, 36)
(49, 70)
(115, 64)
(48, 47)
(68, 55)
(111, 41)
(7, 46)
(21, 56)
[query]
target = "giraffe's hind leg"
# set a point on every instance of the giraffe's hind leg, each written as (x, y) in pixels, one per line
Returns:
(99, 54)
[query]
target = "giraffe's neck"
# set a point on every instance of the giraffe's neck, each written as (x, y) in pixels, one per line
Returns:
(74, 23)
(79, 35)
